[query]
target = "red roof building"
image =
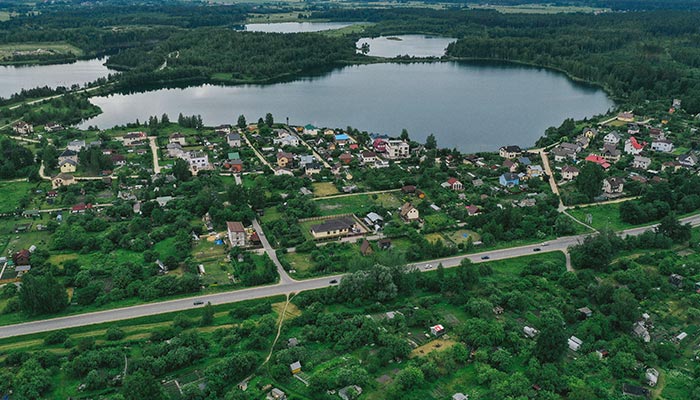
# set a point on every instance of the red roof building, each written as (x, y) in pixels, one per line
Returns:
(598, 160)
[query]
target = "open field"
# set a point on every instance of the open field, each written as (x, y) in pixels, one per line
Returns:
(322, 189)
(605, 216)
(6, 50)
(4, 16)
(537, 9)
(12, 193)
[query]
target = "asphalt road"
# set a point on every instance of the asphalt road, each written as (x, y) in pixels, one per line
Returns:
(285, 286)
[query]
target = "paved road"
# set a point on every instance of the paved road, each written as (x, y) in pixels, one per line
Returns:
(284, 277)
(286, 285)
(154, 153)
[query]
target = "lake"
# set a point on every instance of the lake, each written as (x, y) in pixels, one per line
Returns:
(412, 45)
(295, 27)
(14, 79)
(470, 106)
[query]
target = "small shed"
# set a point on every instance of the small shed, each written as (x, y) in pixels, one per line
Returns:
(295, 367)
(574, 343)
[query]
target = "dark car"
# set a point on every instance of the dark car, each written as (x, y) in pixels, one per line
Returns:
(198, 303)
(485, 257)
(536, 249)
(334, 281)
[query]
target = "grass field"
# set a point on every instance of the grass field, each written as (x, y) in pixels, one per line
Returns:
(358, 204)
(322, 189)
(538, 9)
(12, 192)
(4, 16)
(462, 236)
(603, 216)
(348, 30)
(6, 50)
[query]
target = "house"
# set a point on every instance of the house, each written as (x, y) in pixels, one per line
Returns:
(571, 147)
(510, 151)
(602, 353)
(589, 132)
(396, 149)
(679, 338)
(569, 172)
(374, 220)
(613, 185)
(341, 139)
(561, 153)
(286, 140)
(284, 159)
(366, 248)
(336, 227)
(409, 213)
(133, 138)
(625, 117)
(574, 343)
(68, 155)
(530, 332)
(349, 392)
(472, 210)
(437, 330)
(295, 367)
(632, 146)
(633, 129)
(62, 179)
(52, 127)
(345, 158)
(511, 165)
(652, 376)
(688, 160)
(676, 280)
(68, 166)
(22, 128)
(164, 200)
(178, 138)
(612, 138)
(80, 208)
(582, 141)
(312, 168)
(641, 331)
(233, 140)
(675, 165)
(368, 157)
(611, 153)
(22, 257)
(641, 162)
(223, 129)
(460, 396)
(455, 184)
(276, 394)
(534, 171)
(384, 244)
(598, 160)
(292, 342)
(310, 130)
(586, 312)
(524, 161)
(118, 159)
(509, 179)
(234, 165)
(198, 160)
(379, 145)
(236, 234)
(635, 391)
(662, 145)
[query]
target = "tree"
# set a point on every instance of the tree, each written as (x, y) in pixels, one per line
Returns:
(241, 121)
(551, 342)
(467, 274)
(207, 315)
(671, 227)
(181, 170)
(590, 180)
(269, 120)
(404, 134)
(141, 385)
(409, 377)
(431, 142)
(42, 294)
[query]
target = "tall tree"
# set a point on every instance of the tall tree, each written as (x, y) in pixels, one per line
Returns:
(241, 121)
(590, 180)
(551, 341)
(269, 120)
(42, 294)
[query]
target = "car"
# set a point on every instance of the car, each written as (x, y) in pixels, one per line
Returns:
(198, 303)
(545, 244)
(485, 257)
(334, 281)
(428, 266)
(536, 249)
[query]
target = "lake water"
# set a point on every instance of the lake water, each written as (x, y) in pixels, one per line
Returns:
(470, 106)
(412, 45)
(295, 27)
(14, 79)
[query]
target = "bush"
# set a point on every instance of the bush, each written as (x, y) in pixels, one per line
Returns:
(56, 337)
(114, 333)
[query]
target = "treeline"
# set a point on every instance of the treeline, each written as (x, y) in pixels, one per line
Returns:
(679, 195)
(635, 55)
(16, 160)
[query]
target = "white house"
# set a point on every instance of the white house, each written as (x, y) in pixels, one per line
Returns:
(198, 160)
(641, 162)
(613, 185)
(510, 151)
(688, 160)
(236, 234)
(662, 145)
(233, 140)
(612, 138)
(569, 172)
(397, 149)
(178, 138)
(76, 145)
(632, 146)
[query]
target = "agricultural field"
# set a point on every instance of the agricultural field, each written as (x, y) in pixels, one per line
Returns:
(7, 50)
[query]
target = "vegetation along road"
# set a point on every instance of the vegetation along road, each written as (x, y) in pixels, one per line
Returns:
(286, 286)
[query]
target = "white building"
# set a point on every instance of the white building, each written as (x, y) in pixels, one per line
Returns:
(397, 149)
(662, 145)
(236, 234)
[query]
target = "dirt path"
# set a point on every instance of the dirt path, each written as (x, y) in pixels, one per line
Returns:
(279, 328)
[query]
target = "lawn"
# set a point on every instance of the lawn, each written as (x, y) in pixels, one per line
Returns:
(6, 50)
(606, 216)
(359, 204)
(13, 192)
(300, 262)
(462, 236)
(322, 189)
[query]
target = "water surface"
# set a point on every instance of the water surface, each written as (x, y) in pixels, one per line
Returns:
(470, 106)
(295, 27)
(406, 45)
(14, 79)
